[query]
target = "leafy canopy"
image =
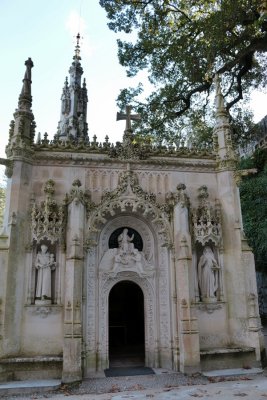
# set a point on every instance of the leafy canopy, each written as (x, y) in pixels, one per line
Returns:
(253, 195)
(181, 44)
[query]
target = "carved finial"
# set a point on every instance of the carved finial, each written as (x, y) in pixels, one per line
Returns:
(25, 95)
(49, 187)
(219, 99)
(77, 48)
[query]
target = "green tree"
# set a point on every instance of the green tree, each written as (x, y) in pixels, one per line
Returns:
(182, 44)
(253, 194)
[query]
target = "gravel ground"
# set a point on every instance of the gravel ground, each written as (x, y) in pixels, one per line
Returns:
(125, 387)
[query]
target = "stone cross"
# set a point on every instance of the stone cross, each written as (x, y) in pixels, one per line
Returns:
(128, 117)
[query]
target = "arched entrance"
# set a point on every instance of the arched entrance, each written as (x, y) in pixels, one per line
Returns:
(126, 325)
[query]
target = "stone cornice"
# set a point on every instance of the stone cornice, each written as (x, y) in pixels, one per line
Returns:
(142, 151)
(102, 160)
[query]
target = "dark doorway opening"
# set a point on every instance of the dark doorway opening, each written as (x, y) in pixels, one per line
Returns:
(126, 325)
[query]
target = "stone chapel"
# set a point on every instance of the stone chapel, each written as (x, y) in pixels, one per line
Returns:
(121, 251)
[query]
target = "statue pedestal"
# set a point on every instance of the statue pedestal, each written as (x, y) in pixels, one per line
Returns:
(43, 302)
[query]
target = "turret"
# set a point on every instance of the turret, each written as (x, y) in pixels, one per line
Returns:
(22, 128)
(73, 117)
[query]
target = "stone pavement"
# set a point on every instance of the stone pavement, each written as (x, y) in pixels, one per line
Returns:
(163, 386)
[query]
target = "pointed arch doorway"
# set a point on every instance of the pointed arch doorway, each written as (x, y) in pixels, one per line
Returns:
(126, 325)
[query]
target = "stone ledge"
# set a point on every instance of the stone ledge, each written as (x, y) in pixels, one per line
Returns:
(228, 358)
(227, 350)
(38, 359)
(24, 368)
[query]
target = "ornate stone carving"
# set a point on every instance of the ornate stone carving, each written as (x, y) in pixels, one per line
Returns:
(9, 164)
(44, 311)
(49, 219)
(127, 150)
(77, 194)
(209, 307)
(125, 258)
(178, 197)
(130, 197)
(238, 174)
(206, 220)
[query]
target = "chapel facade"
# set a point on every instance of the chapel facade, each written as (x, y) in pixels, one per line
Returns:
(121, 251)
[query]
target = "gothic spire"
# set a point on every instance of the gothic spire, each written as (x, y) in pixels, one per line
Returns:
(73, 124)
(22, 128)
(222, 140)
(25, 98)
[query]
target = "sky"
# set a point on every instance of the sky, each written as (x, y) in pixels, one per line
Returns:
(45, 31)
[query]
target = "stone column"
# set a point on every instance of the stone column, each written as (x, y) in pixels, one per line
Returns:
(187, 321)
(72, 346)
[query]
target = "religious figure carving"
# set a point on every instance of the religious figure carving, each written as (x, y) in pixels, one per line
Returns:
(208, 275)
(127, 254)
(126, 257)
(125, 241)
(45, 263)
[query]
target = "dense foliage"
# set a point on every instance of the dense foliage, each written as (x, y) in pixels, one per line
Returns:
(181, 44)
(253, 193)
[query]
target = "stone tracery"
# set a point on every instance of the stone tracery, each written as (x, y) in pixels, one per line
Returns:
(130, 197)
(49, 219)
(206, 219)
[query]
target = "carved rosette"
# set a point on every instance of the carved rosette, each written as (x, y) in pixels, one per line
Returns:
(206, 220)
(48, 220)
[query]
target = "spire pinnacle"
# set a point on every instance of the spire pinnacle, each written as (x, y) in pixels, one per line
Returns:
(73, 116)
(219, 100)
(77, 50)
(25, 95)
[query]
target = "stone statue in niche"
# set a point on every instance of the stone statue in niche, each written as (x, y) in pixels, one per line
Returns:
(127, 254)
(208, 278)
(125, 258)
(125, 241)
(45, 264)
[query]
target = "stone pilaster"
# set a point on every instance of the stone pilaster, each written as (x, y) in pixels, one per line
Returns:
(187, 322)
(72, 347)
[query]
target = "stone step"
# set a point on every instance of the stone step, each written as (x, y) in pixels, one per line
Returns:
(28, 387)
